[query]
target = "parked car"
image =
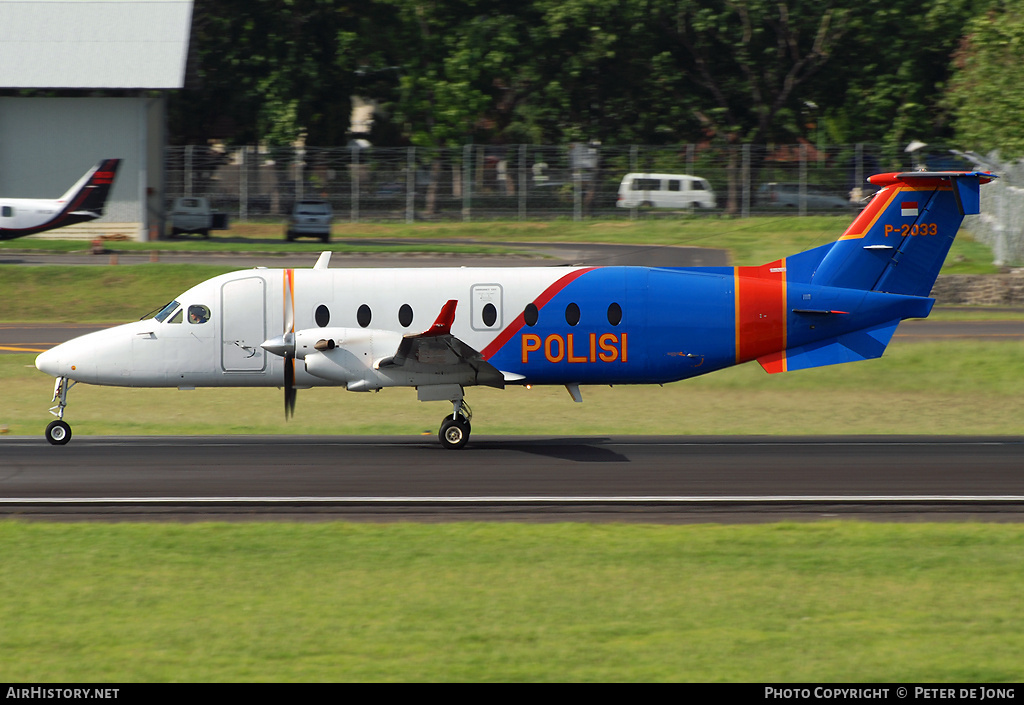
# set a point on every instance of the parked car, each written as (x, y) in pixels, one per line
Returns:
(192, 214)
(665, 191)
(787, 195)
(310, 219)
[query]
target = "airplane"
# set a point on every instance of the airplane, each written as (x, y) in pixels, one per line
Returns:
(84, 201)
(365, 329)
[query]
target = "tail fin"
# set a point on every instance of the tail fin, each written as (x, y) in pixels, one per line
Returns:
(899, 241)
(89, 196)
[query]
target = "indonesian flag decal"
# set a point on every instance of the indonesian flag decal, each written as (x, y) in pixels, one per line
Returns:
(908, 208)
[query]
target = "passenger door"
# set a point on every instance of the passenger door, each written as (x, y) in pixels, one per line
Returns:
(243, 325)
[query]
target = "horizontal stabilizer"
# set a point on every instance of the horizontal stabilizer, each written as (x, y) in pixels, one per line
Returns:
(864, 344)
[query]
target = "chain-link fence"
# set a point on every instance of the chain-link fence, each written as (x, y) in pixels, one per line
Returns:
(1001, 222)
(524, 182)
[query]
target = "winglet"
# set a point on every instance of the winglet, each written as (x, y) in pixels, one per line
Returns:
(324, 261)
(443, 324)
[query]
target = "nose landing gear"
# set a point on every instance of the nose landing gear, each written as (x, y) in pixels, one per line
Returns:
(454, 433)
(58, 432)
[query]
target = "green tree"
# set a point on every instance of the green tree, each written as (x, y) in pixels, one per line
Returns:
(985, 93)
(267, 70)
(887, 79)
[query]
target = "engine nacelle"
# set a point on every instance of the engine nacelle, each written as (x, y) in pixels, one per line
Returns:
(346, 355)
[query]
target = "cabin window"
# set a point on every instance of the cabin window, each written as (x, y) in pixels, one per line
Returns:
(322, 315)
(197, 313)
(530, 315)
(674, 185)
(8, 211)
(363, 316)
(572, 314)
(405, 315)
(614, 314)
(489, 315)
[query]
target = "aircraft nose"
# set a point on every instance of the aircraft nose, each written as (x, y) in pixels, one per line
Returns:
(49, 362)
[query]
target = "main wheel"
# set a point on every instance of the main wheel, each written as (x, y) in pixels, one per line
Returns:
(58, 433)
(454, 433)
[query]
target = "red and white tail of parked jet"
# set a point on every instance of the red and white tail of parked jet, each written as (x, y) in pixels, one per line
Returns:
(83, 202)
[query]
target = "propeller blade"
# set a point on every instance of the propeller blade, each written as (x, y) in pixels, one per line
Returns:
(289, 387)
(289, 301)
(288, 340)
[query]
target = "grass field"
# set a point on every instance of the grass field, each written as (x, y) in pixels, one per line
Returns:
(823, 603)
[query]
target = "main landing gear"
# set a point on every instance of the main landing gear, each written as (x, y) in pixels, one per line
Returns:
(454, 433)
(58, 432)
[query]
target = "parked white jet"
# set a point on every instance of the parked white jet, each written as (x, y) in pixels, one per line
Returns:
(83, 201)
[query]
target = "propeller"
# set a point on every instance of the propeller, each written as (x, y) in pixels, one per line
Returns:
(289, 336)
(284, 344)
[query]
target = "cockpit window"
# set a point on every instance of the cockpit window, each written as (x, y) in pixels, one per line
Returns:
(166, 311)
(197, 313)
(178, 317)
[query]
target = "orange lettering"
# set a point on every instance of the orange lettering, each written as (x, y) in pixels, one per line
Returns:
(593, 347)
(572, 357)
(625, 357)
(530, 343)
(607, 343)
(549, 343)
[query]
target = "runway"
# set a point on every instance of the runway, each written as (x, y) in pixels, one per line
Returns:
(649, 479)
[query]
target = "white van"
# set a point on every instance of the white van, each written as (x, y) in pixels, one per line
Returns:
(665, 191)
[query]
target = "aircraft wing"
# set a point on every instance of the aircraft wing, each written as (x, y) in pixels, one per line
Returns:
(436, 348)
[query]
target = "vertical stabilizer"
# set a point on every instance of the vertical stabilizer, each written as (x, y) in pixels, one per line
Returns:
(899, 241)
(89, 195)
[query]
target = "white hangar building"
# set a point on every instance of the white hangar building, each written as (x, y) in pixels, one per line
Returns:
(83, 81)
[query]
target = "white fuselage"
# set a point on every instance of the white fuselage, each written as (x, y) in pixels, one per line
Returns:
(28, 213)
(367, 311)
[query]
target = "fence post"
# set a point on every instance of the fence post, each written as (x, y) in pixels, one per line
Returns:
(410, 187)
(188, 169)
(634, 159)
(803, 179)
(243, 185)
(523, 156)
(745, 177)
(577, 198)
(354, 171)
(858, 170)
(467, 182)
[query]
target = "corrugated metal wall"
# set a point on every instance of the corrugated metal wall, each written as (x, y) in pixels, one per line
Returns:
(47, 144)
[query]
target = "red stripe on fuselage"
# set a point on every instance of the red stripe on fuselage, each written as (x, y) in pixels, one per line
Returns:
(514, 327)
(760, 310)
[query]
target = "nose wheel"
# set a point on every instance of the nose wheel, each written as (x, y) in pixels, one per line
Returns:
(455, 428)
(59, 432)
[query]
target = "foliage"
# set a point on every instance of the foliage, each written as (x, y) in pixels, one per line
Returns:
(985, 91)
(269, 71)
(450, 72)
